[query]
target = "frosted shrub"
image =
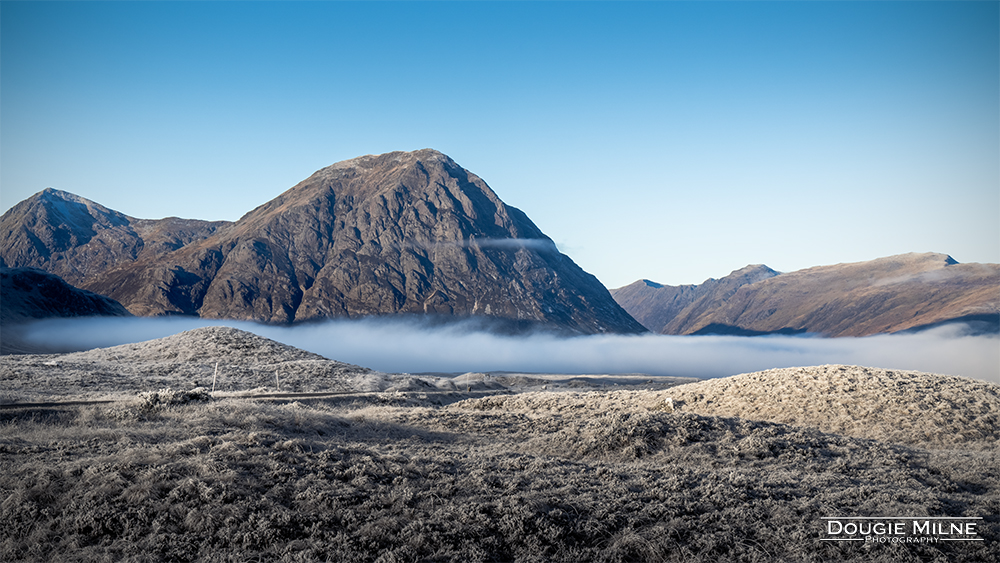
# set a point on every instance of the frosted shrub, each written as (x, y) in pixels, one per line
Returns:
(149, 400)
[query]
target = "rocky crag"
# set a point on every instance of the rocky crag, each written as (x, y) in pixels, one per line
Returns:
(892, 294)
(398, 233)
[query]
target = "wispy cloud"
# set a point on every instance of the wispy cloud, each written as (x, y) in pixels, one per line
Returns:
(940, 275)
(512, 244)
(396, 345)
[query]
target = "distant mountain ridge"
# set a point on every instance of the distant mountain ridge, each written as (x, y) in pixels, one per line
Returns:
(891, 294)
(398, 233)
(668, 309)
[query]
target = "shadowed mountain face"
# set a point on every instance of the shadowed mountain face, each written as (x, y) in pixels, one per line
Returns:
(892, 294)
(27, 294)
(375, 235)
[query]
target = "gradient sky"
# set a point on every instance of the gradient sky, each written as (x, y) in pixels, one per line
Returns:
(669, 141)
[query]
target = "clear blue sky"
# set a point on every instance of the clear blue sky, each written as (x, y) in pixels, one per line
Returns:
(669, 141)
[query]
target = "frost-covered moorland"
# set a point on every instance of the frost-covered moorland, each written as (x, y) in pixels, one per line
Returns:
(365, 466)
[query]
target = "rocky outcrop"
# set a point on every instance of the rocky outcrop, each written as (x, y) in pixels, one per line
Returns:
(905, 292)
(399, 233)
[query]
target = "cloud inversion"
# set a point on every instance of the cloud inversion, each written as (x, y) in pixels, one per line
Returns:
(413, 346)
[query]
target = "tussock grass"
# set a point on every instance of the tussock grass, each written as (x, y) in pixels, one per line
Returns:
(739, 469)
(495, 479)
(934, 411)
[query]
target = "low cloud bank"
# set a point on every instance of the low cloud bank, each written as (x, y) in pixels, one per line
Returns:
(414, 346)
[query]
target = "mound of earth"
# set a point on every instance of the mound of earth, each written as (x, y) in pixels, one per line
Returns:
(895, 406)
(222, 358)
(906, 407)
(213, 344)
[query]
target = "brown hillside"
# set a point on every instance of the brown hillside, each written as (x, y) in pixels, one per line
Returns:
(879, 296)
(665, 308)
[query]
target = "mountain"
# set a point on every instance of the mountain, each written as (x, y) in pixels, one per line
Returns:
(905, 292)
(398, 233)
(27, 294)
(667, 309)
(78, 239)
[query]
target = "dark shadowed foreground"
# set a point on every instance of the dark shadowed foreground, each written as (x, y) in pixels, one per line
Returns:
(468, 469)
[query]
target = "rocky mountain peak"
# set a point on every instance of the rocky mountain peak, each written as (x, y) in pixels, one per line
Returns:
(396, 158)
(77, 239)
(66, 219)
(751, 274)
(397, 233)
